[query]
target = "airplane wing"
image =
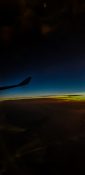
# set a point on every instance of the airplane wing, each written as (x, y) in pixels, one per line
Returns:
(23, 83)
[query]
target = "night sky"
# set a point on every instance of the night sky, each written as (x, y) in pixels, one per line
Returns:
(44, 39)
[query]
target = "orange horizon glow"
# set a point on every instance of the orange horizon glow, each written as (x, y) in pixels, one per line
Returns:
(62, 97)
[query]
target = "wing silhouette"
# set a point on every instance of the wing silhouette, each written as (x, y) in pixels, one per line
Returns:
(23, 83)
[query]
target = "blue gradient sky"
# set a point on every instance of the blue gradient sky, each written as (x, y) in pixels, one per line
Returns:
(50, 48)
(49, 77)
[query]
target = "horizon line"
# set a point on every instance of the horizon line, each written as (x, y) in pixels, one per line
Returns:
(56, 96)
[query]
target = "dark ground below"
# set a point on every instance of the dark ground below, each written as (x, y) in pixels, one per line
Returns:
(42, 136)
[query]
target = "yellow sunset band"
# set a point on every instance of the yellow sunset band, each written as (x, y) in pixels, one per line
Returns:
(65, 97)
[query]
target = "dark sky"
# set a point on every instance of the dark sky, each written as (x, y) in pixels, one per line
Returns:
(44, 39)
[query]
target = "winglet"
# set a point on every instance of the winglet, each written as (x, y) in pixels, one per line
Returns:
(25, 82)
